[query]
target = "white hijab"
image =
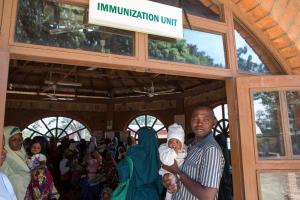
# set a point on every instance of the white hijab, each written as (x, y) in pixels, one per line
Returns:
(15, 166)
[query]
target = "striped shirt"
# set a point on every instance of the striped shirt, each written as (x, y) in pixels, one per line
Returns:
(203, 164)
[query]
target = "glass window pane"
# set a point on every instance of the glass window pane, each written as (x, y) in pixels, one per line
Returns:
(248, 60)
(141, 120)
(63, 122)
(226, 111)
(26, 133)
(150, 120)
(50, 122)
(293, 101)
(197, 47)
(58, 132)
(269, 134)
(55, 24)
(38, 126)
(158, 125)
(74, 126)
(280, 185)
(133, 122)
(134, 127)
(202, 8)
(218, 112)
(85, 134)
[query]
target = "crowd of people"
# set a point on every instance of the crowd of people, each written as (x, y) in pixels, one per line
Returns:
(40, 169)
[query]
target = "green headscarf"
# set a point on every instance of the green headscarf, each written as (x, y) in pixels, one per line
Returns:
(146, 182)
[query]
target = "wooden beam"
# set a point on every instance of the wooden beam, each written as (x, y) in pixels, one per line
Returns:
(81, 58)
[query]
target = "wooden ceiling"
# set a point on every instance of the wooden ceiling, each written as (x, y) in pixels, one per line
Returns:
(38, 80)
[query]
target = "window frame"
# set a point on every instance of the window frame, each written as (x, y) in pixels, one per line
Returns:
(145, 115)
(63, 130)
(138, 62)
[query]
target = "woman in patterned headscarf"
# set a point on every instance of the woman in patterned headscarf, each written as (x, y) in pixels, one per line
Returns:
(15, 166)
(145, 182)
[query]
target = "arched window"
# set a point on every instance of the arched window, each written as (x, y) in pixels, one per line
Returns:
(248, 60)
(222, 126)
(57, 127)
(149, 121)
(221, 112)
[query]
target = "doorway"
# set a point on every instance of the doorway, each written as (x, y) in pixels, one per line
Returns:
(106, 101)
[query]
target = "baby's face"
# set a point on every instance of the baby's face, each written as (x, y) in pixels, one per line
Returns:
(35, 148)
(175, 144)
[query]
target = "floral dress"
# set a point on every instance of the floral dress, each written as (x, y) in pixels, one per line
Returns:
(41, 186)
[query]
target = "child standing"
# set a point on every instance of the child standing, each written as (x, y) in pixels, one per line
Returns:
(41, 186)
(174, 149)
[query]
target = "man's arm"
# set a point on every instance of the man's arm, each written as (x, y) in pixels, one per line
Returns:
(198, 190)
(212, 168)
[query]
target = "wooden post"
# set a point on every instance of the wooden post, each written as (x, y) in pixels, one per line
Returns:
(5, 11)
(236, 157)
(4, 66)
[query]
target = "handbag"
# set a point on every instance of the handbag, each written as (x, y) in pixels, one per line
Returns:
(120, 192)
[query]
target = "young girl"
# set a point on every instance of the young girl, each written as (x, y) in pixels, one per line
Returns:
(174, 149)
(41, 186)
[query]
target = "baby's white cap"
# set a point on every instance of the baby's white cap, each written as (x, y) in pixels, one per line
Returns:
(176, 131)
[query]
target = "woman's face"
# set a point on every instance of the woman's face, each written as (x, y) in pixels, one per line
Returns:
(15, 142)
(3, 153)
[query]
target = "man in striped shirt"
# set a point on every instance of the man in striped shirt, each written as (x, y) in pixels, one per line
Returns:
(200, 175)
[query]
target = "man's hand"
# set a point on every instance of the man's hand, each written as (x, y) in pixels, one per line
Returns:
(174, 169)
(166, 180)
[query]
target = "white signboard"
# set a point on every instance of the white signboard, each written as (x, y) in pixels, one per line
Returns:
(137, 15)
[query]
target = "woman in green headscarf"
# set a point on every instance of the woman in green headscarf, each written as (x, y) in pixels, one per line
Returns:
(145, 182)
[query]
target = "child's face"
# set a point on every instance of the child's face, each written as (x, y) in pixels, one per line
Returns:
(35, 148)
(175, 144)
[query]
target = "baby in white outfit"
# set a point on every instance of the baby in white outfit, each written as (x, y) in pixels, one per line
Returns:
(174, 149)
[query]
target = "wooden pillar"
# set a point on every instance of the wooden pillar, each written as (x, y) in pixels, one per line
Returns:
(235, 142)
(5, 12)
(231, 95)
(4, 66)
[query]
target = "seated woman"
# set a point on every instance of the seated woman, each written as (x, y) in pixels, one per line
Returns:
(6, 189)
(145, 182)
(15, 166)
